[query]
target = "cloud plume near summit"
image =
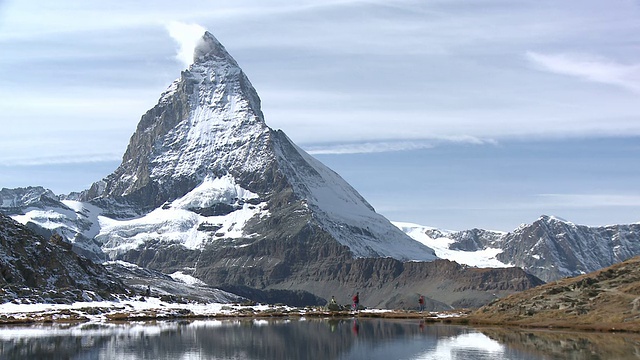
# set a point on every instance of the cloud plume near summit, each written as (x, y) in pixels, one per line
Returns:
(187, 36)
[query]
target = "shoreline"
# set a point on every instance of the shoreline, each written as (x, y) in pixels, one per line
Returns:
(153, 309)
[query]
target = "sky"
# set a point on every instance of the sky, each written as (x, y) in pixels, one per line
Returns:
(447, 113)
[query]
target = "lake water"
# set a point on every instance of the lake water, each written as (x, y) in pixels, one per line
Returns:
(306, 339)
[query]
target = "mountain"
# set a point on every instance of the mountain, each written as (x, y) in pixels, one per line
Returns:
(46, 214)
(35, 196)
(205, 158)
(207, 189)
(33, 269)
(603, 300)
(550, 248)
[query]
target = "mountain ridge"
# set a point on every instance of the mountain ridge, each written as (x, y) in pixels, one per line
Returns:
(550, 248)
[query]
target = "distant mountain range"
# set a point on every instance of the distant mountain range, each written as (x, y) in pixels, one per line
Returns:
(549, 248)
(207, 190)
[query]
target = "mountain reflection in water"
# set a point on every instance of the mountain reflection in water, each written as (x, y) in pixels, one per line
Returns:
(303, 339)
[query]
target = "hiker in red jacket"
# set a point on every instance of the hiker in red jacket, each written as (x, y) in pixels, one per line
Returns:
(356, 301)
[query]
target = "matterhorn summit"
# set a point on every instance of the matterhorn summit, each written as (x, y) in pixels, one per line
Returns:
(207, 123)
(204, 170)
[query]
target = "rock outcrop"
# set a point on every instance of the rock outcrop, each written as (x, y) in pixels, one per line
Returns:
(34, 269)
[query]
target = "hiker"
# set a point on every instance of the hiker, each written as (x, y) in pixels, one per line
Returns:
(356, 300)
(421, 303)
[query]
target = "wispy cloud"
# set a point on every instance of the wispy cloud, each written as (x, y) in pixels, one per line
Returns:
(59, 159)
(389, 146)
(366, 148)
(589, 68)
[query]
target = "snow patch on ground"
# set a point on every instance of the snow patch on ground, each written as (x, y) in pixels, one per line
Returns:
(141, 307)
(145, 308)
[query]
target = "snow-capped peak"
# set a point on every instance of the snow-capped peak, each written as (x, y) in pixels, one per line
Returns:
(209, 47)
(548, 218)
(203, 165)
(205, 124)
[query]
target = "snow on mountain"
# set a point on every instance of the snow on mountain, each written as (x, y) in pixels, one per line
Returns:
(552, 248)
(342, 211)
(203, 168)
(186, 278)
(549, 248)
(214, 191)
(178, 223)
(218, 134)
(21, 197)
(207, 123)
(443, 241)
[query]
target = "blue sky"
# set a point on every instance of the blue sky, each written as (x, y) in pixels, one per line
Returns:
(453, 114)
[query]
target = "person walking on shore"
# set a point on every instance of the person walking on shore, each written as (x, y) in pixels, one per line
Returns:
(356, 300)
(421, 303)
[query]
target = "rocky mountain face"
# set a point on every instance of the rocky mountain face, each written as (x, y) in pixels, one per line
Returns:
(35, 196)
(552, 248)
(37, 270)
(207, 124)
(549, 248)
(207, 189)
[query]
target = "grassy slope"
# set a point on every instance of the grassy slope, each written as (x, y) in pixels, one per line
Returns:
(608, 299)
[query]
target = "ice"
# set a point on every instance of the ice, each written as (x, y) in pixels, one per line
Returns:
(187, 279)
(212, 191)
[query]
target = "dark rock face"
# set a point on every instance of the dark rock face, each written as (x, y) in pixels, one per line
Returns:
(146, 282)
(40, 270)
(475, 239)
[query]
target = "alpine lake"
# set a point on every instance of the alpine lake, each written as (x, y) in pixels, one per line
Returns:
(300, 338)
